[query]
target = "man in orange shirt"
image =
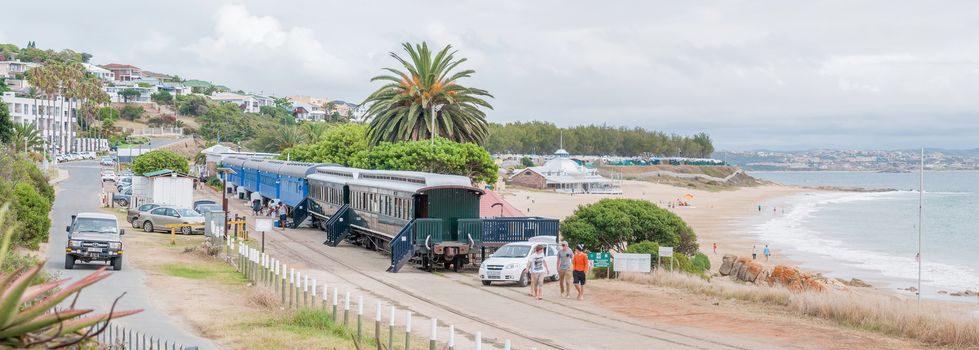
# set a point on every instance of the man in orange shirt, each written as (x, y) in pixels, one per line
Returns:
(581, 267)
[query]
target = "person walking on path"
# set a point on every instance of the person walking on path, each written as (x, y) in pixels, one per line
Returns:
(564, 256)
(282, 215)
(767, 252)
(581, 267)
(715, 248)
(537, 265)
(754, 252)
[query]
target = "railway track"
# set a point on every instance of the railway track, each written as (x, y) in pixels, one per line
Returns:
(582, 315)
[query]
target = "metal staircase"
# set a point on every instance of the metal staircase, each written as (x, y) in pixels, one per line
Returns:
(402, 247)
(338, 227)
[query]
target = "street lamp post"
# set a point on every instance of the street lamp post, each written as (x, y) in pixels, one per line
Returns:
(224, 186)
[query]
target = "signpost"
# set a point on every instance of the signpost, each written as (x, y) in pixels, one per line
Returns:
(632, 262)
(601, 259)
(665, 251)
(263, 225)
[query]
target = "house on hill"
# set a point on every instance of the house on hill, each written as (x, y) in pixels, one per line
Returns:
(124, 72)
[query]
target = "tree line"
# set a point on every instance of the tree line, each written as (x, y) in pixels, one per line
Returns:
(544, 138)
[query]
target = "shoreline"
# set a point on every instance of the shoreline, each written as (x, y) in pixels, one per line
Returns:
(729, 218)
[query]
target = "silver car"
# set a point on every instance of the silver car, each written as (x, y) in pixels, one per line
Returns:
(158, 218)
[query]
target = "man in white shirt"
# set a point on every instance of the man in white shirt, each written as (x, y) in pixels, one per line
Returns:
(537, 265)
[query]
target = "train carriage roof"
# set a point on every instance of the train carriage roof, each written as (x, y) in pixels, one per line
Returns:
(235, 160)
(408, 181)
(281, 167)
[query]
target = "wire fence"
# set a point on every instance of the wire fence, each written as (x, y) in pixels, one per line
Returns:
(297, 291)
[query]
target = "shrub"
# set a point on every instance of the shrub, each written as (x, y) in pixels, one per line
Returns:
(701, 262)
(158, 160)
(31, 210)
(131, 113)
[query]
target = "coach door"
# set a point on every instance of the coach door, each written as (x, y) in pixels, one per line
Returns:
(421, 206)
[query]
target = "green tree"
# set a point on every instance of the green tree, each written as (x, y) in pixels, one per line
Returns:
(446, 157)
(277, 139)
(158, 160)
(129, 94)
(192, 105)
(402, 108)
(6, 124)
(226, 121)
(162, 97)
(131, 113)
(612, 224)
(526, 162)
(337, 144)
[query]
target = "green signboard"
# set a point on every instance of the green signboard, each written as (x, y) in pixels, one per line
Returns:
(600, 259)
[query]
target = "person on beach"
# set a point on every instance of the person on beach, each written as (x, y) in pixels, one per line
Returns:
(759, 208)
(581, 266)
(715, 248)
(564, 256)
(282, 215)
(537, 265)
(754, 252)
(767, 252)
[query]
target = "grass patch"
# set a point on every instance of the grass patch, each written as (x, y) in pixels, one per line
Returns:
(204, 271)
(932, 323)
(309, 328)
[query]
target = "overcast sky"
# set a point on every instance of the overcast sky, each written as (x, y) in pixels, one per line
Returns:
(765, 74)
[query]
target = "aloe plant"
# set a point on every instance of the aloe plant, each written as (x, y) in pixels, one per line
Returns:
(29, 313)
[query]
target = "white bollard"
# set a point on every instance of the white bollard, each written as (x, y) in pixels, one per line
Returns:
(506, 344)
(452, 336)
(312, 287)
(479, 341)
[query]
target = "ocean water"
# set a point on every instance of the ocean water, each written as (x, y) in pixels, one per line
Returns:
(874, 236)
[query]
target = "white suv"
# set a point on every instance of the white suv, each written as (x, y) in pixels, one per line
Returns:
(108, 175)
(509, 262)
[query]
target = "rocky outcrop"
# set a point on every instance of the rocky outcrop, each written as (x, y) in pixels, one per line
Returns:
(746, 270)
(856, 282)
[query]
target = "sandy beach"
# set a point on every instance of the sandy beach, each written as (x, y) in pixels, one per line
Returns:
(716, 217)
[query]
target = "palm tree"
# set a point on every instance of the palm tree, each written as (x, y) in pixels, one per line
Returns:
(311, 132)
(25, 137)
(403, 108)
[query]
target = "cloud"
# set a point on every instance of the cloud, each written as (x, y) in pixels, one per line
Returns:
(262, 47)
(154, 42)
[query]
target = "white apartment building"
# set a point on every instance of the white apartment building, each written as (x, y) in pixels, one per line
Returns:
(102, 73)
(144, 92)
(247, 103)
(10, 69)
(53, 118)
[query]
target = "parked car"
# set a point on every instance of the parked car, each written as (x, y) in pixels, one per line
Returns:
(509, 263)
(89, 155)
(206, 208)
(198, 203)
(157, 219)
(123, 197)
(124, 181)
(107, 161)
(132, 215)
(108, 175)
(94, 237)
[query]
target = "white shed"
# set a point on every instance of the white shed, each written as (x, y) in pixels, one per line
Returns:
(172, 188)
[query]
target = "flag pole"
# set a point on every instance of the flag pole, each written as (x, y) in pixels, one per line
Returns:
(921, 191)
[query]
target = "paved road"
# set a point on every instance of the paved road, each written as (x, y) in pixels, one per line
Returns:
(80, 192)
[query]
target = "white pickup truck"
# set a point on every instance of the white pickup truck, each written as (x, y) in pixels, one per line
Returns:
(94, 237)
